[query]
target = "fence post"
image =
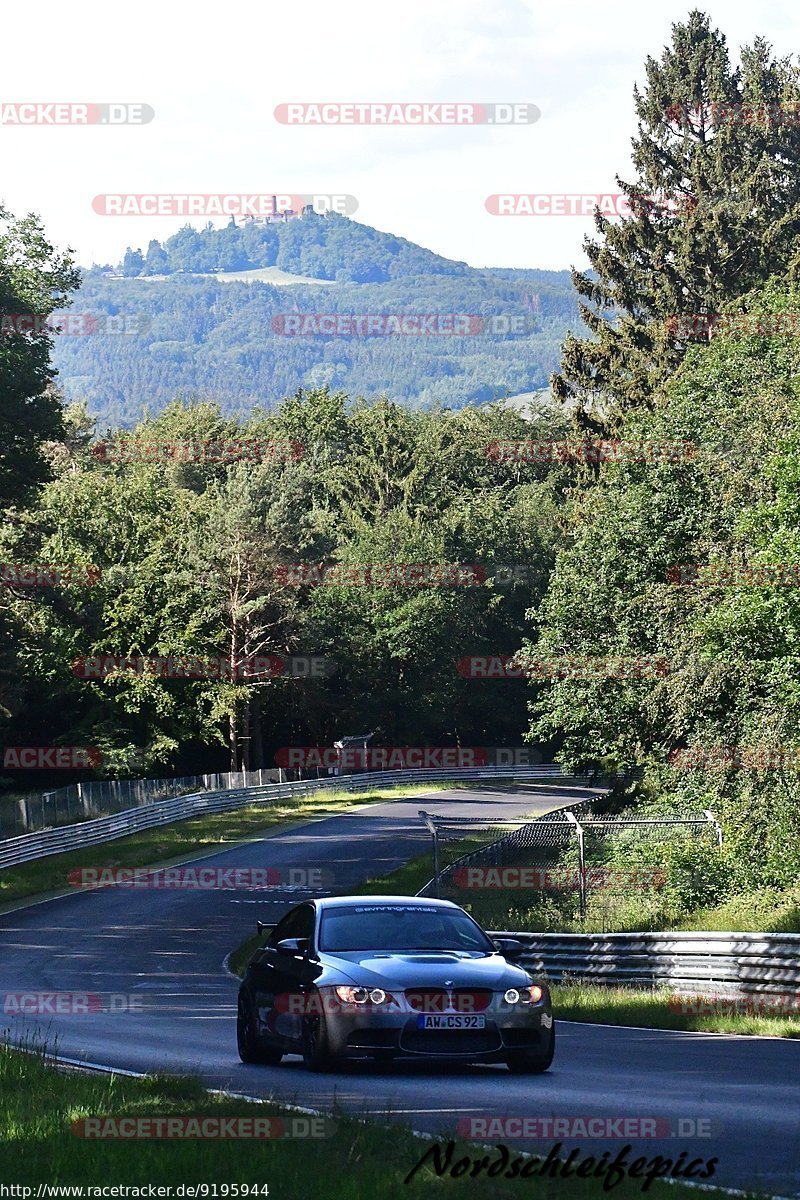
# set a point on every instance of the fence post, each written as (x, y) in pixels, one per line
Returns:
(708, 813)
(435, 836)
(436, 863)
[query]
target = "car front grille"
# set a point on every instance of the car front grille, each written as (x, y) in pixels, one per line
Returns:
(439, 1000)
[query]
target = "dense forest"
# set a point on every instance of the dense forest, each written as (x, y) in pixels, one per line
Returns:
(330, 247)
(190, 558)
(189, 334)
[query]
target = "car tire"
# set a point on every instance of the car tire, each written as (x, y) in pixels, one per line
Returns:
(251, 1049)
(316, 1055)
(523, 1062)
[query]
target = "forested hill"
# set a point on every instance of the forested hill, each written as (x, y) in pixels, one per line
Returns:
(205, 316)
(328, 247)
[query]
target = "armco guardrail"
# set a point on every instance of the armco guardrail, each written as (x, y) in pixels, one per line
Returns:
(699, 963)
(101, 797)
(31, 846)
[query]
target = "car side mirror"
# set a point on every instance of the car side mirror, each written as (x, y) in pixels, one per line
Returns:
(292, 946)
(510, 948)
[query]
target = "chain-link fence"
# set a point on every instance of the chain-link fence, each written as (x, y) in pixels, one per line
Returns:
(557, 867)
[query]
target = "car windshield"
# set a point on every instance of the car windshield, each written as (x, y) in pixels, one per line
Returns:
(398, 927)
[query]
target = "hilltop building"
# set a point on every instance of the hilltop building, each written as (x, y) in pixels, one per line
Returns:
(278, 215)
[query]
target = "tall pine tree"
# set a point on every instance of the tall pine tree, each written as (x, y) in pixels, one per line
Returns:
(35, 280)
(715, 209)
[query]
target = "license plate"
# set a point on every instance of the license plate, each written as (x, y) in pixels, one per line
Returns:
(442, 1021)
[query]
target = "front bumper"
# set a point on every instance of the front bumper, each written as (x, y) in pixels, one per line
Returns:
(507, 1029)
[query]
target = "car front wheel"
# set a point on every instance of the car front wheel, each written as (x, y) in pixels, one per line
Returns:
(316, 1055)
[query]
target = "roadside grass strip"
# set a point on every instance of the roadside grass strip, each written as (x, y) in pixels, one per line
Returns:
(44, 1109)
(712, 1013)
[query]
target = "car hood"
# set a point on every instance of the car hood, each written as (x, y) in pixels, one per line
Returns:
(425, 968)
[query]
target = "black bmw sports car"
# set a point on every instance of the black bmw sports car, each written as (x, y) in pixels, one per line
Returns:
(388, 977)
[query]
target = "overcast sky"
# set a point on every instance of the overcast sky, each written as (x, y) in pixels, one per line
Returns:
(215, 73)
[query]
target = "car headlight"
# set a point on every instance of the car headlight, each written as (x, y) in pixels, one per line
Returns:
(362, 995)
(525, 995)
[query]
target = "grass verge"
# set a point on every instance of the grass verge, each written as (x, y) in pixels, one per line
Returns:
(210, 832)
(601, 1005)
(764, 910)
(636, 910)
(38, 1106)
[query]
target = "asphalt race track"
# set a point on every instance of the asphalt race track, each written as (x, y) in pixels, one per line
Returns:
(166, 948)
